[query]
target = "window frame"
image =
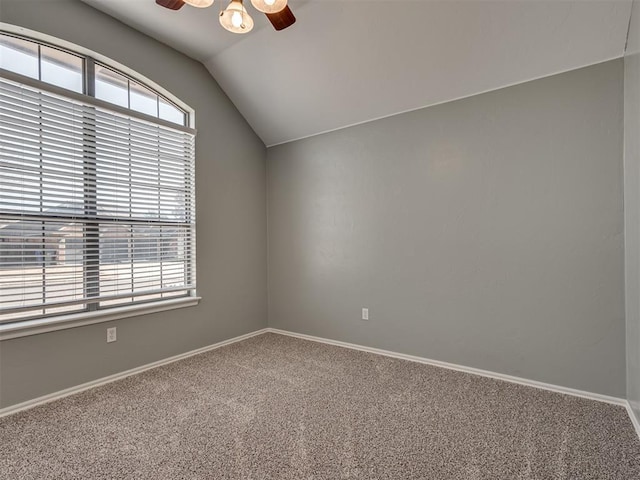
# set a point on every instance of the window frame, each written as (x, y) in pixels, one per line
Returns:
(92, 312)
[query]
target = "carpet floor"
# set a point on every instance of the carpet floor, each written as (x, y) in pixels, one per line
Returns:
(276, 407)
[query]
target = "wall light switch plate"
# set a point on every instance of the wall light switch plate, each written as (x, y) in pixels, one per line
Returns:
(365, 314)
(111, 335)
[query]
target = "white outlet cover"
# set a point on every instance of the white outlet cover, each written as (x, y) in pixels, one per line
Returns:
(112, 335)
(365, 314)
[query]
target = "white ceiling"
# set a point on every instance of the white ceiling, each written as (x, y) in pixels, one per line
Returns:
(347, 62)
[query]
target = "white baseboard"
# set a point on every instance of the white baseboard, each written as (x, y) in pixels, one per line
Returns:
(461, 368)
(412, 358)
(117, 376)
(475, 371)
(634, 419)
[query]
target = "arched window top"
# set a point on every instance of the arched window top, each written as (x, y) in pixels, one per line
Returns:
(75, 69)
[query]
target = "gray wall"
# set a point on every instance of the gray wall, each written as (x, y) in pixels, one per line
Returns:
(632, 206)
(231, 221)
(486, 232)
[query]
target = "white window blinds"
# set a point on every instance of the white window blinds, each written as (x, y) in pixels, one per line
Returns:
(97, 208)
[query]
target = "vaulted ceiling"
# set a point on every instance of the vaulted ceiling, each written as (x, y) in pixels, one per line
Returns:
(348, 62)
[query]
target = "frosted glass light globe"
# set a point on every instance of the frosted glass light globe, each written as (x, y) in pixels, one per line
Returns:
(235, 18)
(269, 6)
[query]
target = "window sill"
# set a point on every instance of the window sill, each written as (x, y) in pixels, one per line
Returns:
(62, 322)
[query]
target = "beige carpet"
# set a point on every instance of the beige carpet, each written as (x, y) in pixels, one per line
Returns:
(275, 407)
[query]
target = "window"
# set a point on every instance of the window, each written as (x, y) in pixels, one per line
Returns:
(41, 62)
(97, 204)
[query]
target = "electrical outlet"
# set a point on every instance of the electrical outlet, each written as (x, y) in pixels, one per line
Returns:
(365, 314)
(111, 335)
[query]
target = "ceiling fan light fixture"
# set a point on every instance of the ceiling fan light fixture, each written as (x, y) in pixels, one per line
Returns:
(235, 18)
(269, 6)
(199, 3)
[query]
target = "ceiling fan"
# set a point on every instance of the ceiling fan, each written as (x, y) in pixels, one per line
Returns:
(235, 17)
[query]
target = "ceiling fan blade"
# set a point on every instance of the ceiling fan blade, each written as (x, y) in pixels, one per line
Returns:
(171, 4)
(282, 19)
